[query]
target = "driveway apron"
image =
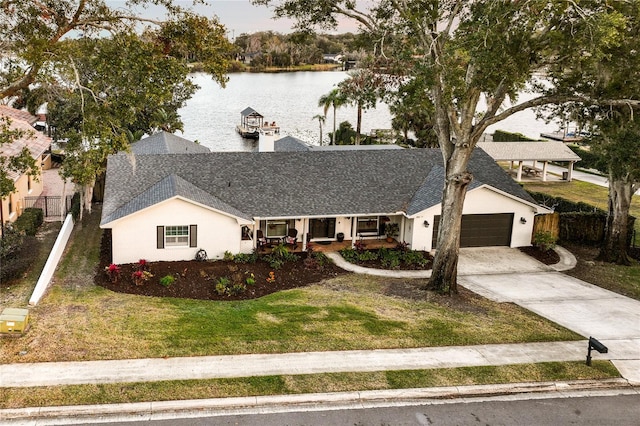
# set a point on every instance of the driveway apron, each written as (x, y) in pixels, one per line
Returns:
(581, 307)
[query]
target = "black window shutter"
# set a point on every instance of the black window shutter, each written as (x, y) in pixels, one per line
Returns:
(193, 235)
(160, 237)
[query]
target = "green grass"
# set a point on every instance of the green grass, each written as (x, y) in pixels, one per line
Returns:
(16, 293)
(624, 280)
(79, 321)
(583, 191)
(297, 384)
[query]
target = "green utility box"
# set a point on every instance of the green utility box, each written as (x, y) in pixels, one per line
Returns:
(14, 321)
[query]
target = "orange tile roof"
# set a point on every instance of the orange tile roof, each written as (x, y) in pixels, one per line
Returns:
(18, 114)
(36, 142)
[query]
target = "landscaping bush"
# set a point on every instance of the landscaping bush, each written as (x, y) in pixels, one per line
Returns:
(544, 240)
(30, 220)
(389, 258)
(17, 252)
(246, 258)
(167, 280)
(75, 206)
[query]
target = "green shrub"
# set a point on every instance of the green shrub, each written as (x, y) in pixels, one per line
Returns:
(280, 251)
(167, 280)
(251, 280)
(236, 289)
(228, 256)
(246, 258)
(367, 255)
(544, 240)
(222, 285)
(17, 254)
(75, 206)
(29, 221)
(389, 259)
(349, 254)
(412, 257)
(221, 289)
(274, 262)
(10, 242)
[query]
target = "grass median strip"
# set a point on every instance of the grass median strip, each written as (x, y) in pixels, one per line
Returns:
(298, 384)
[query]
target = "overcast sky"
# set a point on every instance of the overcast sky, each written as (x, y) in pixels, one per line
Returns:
(239, 16)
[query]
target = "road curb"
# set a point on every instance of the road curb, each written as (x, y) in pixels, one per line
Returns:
(145, 411)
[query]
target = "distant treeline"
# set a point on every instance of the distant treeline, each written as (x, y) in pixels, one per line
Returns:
(272, 49)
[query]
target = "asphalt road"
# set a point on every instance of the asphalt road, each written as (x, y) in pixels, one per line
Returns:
(538, 409)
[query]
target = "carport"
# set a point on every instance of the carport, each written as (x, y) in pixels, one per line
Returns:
(532, 158)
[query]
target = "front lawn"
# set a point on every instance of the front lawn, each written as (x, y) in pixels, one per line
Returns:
(78, 320)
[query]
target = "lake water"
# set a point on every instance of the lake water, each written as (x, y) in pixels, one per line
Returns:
(291, 100)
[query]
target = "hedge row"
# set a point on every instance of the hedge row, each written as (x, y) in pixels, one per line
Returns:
(502, 136)
(562, 205)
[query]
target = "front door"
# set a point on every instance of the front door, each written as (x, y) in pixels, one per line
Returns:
(322, 228)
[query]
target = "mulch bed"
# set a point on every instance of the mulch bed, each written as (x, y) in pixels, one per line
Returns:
(197, 280)
(549, 257)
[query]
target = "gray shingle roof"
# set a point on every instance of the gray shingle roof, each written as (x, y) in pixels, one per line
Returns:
(165, 189)
(290, 143)
(166, 143)
(295, 184)
(528, 151)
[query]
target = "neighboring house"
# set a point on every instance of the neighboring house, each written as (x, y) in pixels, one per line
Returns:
(38, 144)
(166, 205)
(332, 58)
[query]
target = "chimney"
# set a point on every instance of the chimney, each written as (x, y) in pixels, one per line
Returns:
(266, 141)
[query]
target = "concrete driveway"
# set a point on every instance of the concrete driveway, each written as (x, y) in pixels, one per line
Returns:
(581, 307)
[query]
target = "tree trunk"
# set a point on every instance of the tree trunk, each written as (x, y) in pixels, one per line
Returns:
(358, 124)
(444, 275)
(88, 196)
(614, 247)
(333, 135)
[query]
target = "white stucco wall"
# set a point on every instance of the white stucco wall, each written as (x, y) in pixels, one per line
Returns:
(479, 201)
(134, 237)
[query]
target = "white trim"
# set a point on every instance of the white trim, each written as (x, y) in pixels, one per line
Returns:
(240, 220)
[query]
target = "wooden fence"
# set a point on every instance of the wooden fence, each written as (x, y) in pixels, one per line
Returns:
(547, 223)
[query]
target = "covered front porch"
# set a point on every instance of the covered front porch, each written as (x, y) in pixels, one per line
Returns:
(325, 233)
(333, 246)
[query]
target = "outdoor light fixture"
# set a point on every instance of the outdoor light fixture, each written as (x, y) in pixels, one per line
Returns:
(523, 220)
(426, 224)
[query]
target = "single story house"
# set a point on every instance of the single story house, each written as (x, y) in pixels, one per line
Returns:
(37, 144)
(168, 202)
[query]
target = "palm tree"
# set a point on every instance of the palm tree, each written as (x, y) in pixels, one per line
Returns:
(362, 89)
(335, 99)
(321, 119)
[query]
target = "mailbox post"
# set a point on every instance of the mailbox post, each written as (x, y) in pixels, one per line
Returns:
(598, 346)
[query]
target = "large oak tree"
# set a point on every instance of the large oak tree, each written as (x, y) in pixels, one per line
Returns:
(106, 73)
(466, 52)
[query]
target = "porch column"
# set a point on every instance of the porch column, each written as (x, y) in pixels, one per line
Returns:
(354, 227)
(544, 171)
(570, 171)
(256, 225)
(519, 177)
(304, 234)
(402, 228)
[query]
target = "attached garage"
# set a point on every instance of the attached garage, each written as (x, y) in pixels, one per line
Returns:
(482, 230)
